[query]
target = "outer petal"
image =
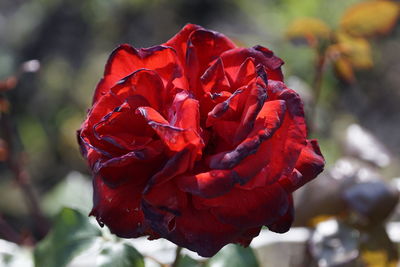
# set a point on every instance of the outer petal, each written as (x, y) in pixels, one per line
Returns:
(124, 129)
(179, 41)
(135, 166)
(263, 206)
(197, 230)
(203, 48)
(282, 225)
(125, 59)
(144, 83)
(308, 166)
(119, 209)
(235, 57)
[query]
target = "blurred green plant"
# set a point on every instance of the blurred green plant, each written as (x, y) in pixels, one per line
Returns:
(348, 46)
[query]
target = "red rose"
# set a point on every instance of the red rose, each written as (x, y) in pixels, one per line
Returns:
(196, 141)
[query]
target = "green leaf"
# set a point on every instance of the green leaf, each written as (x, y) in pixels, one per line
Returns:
(234, 256)
(72, 233)
(120, 255)
(186, 261)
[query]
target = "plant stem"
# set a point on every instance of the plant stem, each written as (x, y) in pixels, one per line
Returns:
(177, 256)
(8, 232)
(319, 68)
(16, 164)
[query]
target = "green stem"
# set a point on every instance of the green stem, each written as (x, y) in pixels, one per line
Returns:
(177, 256)
(317, 87)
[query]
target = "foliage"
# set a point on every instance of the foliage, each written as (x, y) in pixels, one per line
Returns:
(347, 47)
(71, 234)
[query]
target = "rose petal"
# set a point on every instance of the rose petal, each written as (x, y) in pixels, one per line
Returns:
(144, 83)
(224, 110)
(179, 41)
(268, 120)
(246, 72)
(264, 206)
(254, 102)
(283, 224)
(197, 230)
(175, 138)
(208, 184)
(178, 164)
(123, 128)
(246, 238)
(125, 60)
(203, 47)
(184, 112)
(119, 209)
(309, 164)
(233, 59)
(214, 79)
(137, 165)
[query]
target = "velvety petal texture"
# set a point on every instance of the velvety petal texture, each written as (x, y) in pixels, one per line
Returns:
(196, 141)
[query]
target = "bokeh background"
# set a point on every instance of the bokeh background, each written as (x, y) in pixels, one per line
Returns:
(355, 112)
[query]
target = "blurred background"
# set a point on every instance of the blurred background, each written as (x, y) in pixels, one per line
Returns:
(342, 56)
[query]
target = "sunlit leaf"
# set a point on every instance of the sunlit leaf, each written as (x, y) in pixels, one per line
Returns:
(120, 255)
(370, 18)
(234, 256)
(344, 70)
(356, 50)
(308, 31)
(72, 233)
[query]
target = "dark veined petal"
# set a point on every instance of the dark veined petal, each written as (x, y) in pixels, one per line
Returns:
(263, 206)
(225, 110)
(208, 184)
(246, 72)
(184, 112)
(254, 102)
(283, 224)
(119, 208)
(123, 128)
(214, 79)
(203, 47)
(125, 60)
(311, 162)
(175, 138)
(144, 83)
(252, 156)
(136, 166)
(268, 121)
(308, 166)
(197, 230)
(234, 58)
(179, 41)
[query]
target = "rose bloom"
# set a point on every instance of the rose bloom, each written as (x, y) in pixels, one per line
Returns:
(196, 141)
